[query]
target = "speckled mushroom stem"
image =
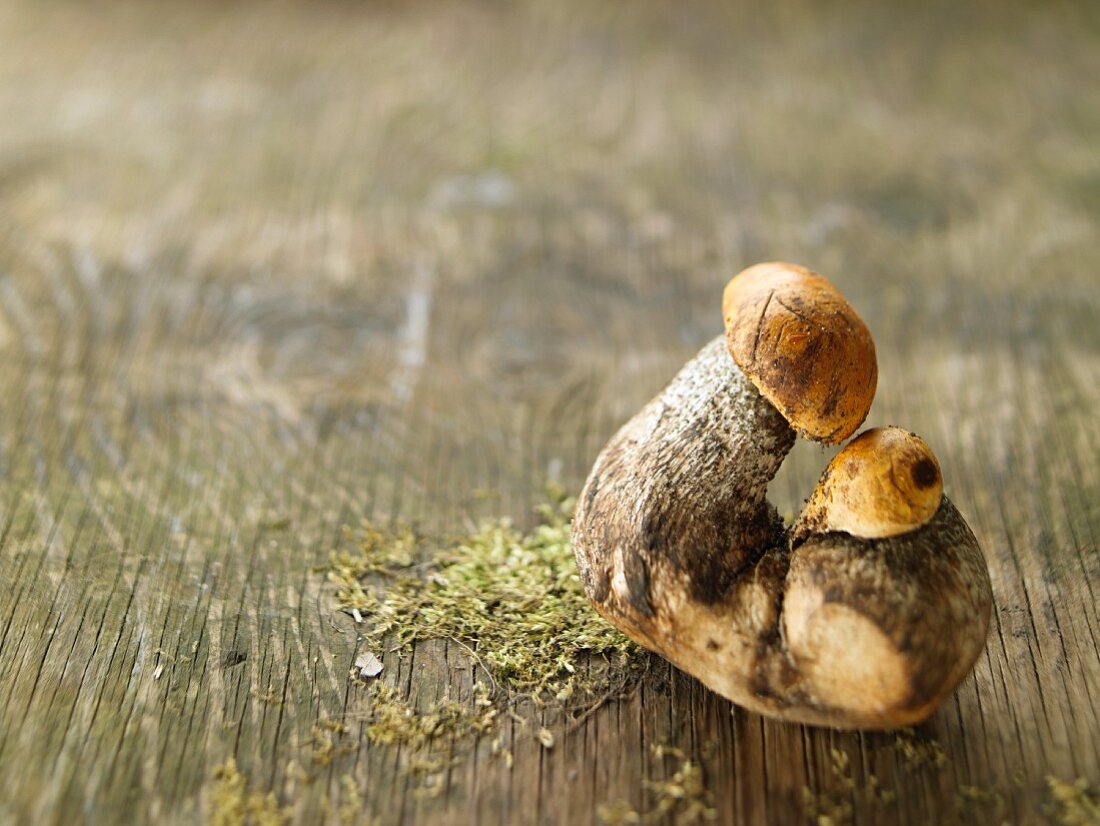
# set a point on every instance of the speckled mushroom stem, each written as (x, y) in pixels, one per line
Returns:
(675, 539)
(679, 493)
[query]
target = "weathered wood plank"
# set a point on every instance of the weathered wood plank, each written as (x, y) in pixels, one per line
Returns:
(269, 270)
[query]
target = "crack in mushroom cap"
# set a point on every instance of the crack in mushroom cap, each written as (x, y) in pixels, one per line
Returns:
(803, 346)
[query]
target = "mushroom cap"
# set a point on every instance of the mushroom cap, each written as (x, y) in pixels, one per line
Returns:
(803, 347)
(885, 482)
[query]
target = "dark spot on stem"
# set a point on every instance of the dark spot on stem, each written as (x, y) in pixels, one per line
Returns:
(597, 583)
(636, 573)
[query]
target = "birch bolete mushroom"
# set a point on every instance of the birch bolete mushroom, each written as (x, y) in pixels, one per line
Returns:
(870, 611)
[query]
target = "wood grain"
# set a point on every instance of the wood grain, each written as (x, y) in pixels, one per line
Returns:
(268, 269)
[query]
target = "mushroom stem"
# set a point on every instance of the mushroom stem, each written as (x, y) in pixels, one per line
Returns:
(679, 493)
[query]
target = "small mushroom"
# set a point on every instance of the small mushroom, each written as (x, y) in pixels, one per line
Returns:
(885, 482)
(870, 611)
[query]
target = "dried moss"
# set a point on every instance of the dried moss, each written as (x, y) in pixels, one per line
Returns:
(432, 740)
(232, 804)
(1073, 804)
(328, 741)
(836, 806)
(512, 599)
(396, 722)
(973, 801)
(916, 753)
(680, 794)
(350, 811)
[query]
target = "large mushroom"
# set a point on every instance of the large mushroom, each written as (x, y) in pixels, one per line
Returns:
(870, 610)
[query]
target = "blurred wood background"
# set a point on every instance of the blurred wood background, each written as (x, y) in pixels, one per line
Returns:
(267, 269)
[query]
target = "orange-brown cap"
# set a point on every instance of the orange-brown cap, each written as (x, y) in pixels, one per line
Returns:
(885, 482)
(803, 346)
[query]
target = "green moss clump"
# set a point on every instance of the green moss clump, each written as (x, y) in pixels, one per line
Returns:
(513, 600)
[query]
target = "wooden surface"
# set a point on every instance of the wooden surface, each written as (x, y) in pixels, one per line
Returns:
(268, 269)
